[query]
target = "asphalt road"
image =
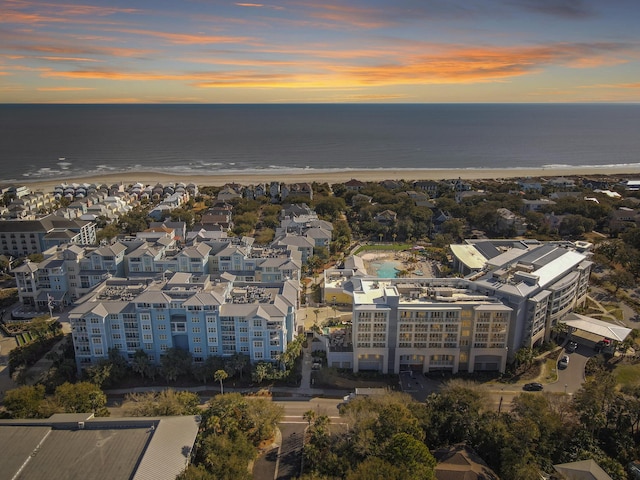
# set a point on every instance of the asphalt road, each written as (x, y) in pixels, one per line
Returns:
(286, 462)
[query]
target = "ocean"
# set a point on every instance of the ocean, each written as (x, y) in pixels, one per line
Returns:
(56, 141)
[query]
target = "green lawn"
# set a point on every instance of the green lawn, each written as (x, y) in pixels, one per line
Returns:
(550, 370)
(391, 247)
(628, 374)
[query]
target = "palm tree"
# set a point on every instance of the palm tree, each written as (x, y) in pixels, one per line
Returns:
(309, 416)
(220, 375)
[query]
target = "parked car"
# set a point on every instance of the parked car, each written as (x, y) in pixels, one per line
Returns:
(572, 347)
(564, 362)
(533, 387)
(604, 346)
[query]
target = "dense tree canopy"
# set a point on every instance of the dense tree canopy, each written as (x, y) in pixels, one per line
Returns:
(392, 435)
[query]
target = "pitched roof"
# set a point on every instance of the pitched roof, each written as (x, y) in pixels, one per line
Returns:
(461, 463)
(582, 470)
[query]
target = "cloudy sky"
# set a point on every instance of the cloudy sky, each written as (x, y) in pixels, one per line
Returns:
(292, 51)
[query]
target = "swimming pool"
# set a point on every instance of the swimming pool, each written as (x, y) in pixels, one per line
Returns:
(386, 268)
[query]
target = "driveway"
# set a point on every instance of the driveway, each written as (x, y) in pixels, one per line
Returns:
(570, 379)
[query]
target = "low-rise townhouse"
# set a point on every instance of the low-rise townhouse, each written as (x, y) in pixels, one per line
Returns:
(66, 273)
(304, 244)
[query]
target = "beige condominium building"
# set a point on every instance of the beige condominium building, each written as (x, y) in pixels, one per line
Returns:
(514, 296)
(427, 325)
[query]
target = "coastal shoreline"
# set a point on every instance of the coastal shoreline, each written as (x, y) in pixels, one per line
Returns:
(332, 176)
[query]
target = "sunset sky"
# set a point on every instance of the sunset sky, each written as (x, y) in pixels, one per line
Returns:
(298, 51)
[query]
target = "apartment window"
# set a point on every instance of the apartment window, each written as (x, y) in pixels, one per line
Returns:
(97, 341)
(197, 339)
(257, 323)
(257, 355)
(164, 347)
(195, 330)
(197, 349)
(98, 351)
(147, 338)
(117, 336)
(213, 349)
(162, 327)
(212, 340)
(95, 331)
(146, 326)
(145, 317)
(244, 349)
(162, 336)
(160, 318)
(257, 344)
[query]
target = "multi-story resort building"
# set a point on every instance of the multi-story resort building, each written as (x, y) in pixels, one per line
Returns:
(187, 311)
(24, 237)
(425, 325)
(519, 292)
(70, 271)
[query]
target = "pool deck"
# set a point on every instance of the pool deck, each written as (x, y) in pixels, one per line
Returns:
(401, 260)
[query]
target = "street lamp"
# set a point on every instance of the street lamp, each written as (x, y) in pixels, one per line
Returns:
(334, 306)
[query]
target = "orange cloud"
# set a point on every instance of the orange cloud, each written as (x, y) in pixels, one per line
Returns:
(260, 5)
(466, 65)
(613, 85)
(19, 12)
(70, 59)
(112, 75)
(186, 38)
(355, 16)
(450, 64)
(69, 50)
(63, 89)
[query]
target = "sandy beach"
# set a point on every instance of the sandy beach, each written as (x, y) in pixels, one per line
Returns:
(331, 177)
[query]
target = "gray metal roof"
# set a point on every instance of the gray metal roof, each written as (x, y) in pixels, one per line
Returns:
(487, 249)
(168, 451)
(17, 445)
(155, 448)
(87, 454)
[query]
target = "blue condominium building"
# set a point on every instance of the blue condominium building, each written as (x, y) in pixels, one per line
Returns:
(188, 311)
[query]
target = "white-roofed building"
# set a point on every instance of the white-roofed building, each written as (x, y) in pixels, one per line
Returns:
(516, 292)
